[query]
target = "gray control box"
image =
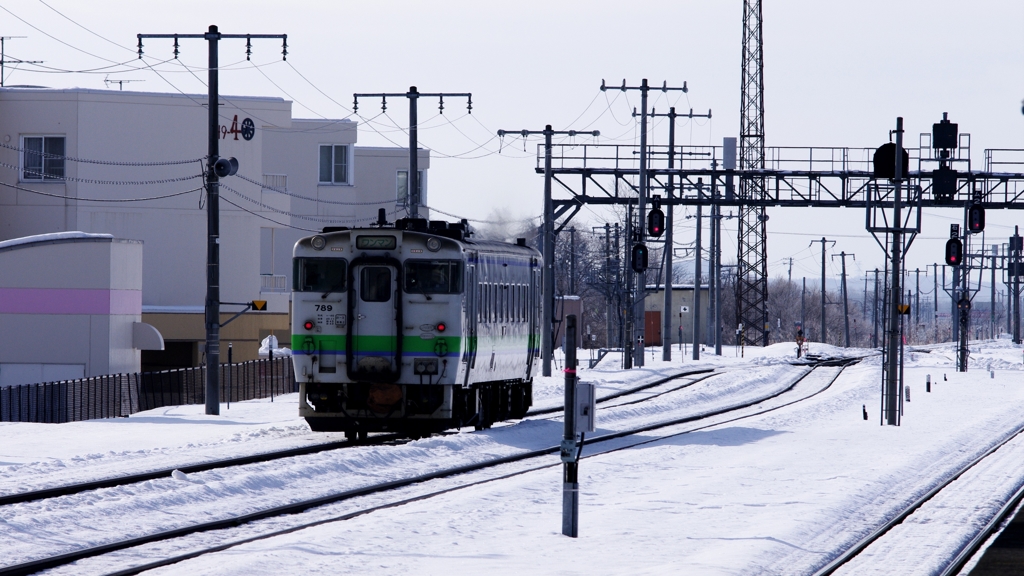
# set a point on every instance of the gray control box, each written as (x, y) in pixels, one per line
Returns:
(586, 407)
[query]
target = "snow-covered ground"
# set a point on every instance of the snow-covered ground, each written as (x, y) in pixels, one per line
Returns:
(775, 493)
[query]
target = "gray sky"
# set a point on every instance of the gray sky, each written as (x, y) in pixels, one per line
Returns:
(837, 73)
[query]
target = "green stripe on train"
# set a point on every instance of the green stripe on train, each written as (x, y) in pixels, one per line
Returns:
(411, 344)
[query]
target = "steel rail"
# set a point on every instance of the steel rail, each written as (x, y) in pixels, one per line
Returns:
(880, 531)
(299, 507)
(112, 482)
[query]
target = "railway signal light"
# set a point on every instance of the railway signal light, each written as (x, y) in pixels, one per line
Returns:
(954, 251)
(639, 259)
(976, 219)
(884, 161)
(656, 222)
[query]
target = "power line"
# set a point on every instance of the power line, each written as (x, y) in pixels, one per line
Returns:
(309, 198)
(65, 178)
(103, 162)
(80, 199)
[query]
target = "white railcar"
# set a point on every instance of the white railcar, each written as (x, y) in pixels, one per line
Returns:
(413, 328)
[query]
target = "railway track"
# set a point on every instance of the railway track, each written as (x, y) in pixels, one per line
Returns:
(526, 459)
(111, 482)
(959, 557)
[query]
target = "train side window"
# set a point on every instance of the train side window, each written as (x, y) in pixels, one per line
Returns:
(519, 307)
(522, 303)
(319, 274)
(485, 306)
(479, 303)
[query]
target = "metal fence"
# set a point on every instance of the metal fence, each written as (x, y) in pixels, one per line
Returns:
(118, 395)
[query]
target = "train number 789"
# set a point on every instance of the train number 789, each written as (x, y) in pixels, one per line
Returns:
(324, 308)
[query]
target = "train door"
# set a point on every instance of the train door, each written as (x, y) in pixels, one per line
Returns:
(375, 310)
(472, 316)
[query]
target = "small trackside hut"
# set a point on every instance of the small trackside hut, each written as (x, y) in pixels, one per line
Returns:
(413, 328)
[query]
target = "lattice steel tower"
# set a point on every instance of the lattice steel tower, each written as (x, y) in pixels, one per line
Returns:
(752, 257)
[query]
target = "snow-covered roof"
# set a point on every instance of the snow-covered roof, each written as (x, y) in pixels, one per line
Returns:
(54, 236)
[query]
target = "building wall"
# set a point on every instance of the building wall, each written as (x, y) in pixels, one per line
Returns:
(682, 295)
(256, 236)
(67, 308)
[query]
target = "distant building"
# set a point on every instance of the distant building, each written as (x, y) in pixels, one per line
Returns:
(82, 152)
(681, 313)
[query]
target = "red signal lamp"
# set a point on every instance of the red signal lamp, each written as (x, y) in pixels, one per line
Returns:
(308, 325)
(441, 327)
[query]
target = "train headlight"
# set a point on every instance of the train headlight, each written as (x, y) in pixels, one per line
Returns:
(318, 242)
(308, 325)
(433, 244)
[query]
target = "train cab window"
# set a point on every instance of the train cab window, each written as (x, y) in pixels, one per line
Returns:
(319, 274)
(433, 276)
(375, 284)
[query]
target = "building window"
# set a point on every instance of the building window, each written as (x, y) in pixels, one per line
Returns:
(334, 164)
(43, 158)
(402, 196)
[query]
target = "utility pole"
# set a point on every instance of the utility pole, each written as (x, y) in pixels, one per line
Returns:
(4, 60)
(935, 299)
(874, 314)
(917, 301)
(790, 268)
(641, 278)
(212, 305)
(803, 316)
(629, 344)
(413, 181)
(618, 291)
(992, 298)
(824, 340)
(864, 304)
(846, 309)
(572, 260)
(717, 231)
(698, 257)
(548, 297)
(607, 285)
(666, 321)
(1015, 249)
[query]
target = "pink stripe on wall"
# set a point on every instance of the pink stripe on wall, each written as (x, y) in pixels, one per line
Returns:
(69, 301)
(126, 301)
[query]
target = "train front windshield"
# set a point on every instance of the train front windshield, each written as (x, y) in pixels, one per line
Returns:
(433, 276)
(320, 274)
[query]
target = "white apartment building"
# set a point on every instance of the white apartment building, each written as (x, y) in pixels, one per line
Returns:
(80, 160)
